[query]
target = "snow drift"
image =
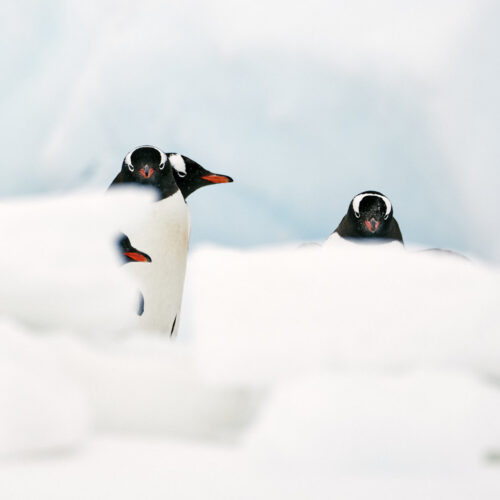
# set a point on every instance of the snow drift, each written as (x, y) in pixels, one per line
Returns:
(60, 267)
(282, 312)
(337, 363)
(70, 357)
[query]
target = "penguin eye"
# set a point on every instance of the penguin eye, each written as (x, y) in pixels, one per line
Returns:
(181, 174)
(386, 216)
(131, 168)
(357, 215)
(162, 166)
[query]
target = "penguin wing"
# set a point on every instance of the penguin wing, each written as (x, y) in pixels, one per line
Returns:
(395, 232)
(130, 253)
(117, 180)
(344, 228)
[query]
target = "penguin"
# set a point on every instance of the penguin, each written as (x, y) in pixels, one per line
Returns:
(191, 176)
(369, 218)
(162, 238)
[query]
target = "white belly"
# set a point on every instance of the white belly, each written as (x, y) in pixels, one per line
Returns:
(164, 236)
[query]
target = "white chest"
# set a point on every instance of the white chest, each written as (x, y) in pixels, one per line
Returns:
(164, 235)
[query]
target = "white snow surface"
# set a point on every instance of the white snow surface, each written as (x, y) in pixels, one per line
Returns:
(342, 305)
(60, 266)
(341, 370)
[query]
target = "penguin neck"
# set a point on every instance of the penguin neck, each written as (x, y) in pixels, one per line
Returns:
(183, 187)
(166, 189)
(188, 185)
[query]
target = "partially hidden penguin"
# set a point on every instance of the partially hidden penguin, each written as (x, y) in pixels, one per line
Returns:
(191, 176)
(156, 248)
(161, 247)
(369, 218)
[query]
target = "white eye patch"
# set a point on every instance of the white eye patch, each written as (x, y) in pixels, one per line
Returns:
(359, 198)
(177, 161)
(163, 158)
(128, 161)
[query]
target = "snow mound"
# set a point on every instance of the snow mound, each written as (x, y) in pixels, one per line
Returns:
(409, 423)
(146, 384)
(71, 357)
(41, 409)
(264, 315)
(60, 266)
(313, 367)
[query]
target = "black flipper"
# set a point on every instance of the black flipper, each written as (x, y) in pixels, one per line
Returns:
(117, 180)
(141, 305)
(130, 253)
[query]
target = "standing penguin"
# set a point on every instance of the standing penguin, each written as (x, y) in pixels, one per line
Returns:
(191, 176)
(369, 218)
(159, 264)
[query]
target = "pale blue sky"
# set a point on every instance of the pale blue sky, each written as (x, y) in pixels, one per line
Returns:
(305, 106)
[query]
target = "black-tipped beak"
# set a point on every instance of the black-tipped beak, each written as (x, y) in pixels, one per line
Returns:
(217, 178)
(372, 225)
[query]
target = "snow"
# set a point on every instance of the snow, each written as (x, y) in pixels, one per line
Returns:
(40, 408)
(58, 251)
(342, 371)
(410, 423)
(368, 371)
(146, 384)
(341, 305)
(127, 467)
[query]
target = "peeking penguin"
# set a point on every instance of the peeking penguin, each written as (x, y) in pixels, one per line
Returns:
(369, 218)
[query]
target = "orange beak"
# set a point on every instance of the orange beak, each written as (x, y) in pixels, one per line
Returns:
(372, 225)
(217, 179)
(146, 172)
(138, 257)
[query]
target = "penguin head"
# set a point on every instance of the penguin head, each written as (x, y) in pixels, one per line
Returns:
(149, 166)
(371, 214)
(191, 176)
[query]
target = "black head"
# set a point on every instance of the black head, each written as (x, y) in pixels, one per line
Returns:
(191, 176)
(370, 215)
(371, 211)
(148, 166)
